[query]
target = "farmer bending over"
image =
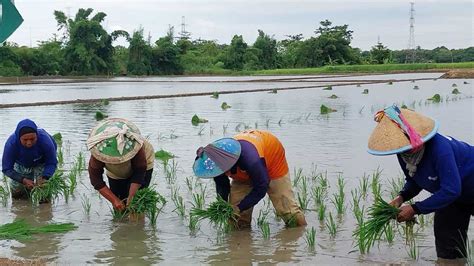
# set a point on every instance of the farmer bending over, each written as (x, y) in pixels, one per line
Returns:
(256, 162)
(116, 145)
(29, 158)
(439, 164)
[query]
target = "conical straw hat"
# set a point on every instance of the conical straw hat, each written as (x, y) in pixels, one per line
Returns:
(389, 138)
(114, 141)
(216, 158)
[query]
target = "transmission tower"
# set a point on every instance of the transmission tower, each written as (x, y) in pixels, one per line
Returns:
(183, 34)
(411, 51)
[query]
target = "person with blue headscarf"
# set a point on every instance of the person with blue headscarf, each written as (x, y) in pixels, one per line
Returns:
(430, 161)
(29, 158)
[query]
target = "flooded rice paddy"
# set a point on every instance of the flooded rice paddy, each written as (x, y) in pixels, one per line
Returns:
(331, 146)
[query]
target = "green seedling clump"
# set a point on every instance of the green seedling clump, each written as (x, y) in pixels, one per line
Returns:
(21, 230)
(274, 91)
(147, 201)
(100, 116)
(58, 138)
(196, 120)
(334, 96)
(50, 190)
(370, 231)
(219, 212)
(215, 95)
(225, 106)
(454, 85)
(366, 91)
(416, 87)
(105, 102)
(164, 156)
(436, 98)
(404, 106)
(456, 91)
(326, 110)
(328, 88)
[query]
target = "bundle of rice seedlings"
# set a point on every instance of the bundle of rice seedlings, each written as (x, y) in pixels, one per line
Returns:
(456, 91)
(100, 116)
(328, 88)
(147, 201)
(274, 91)
(225, 106)
(326, 110)
(215, 95)
(58, 138)
(220, 213)
(196, 120)
(334, 96)
(436, 98)
(50, 190)
(164, 156)
(21, 230)
(370, 231)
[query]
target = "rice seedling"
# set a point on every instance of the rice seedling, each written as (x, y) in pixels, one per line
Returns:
(50, 190)
(416, 87)
(359, 214)
(58, 138)
(321, 212)
(72, 178)
(4, 195)
(319, 194)
(366, 91)
(310, 238)
(147, 201)
(117, 215)
(215, 95)
(193, 224)
(21, 230)
(435, 98)
(303, 201)
(380, 214)
(180, 207)
(334, 96)
(376, 184)
(408, 230)
(341, 183)
(298, 173)
(338, 202)
(60, 157)
(326, 110)
(225, 106)
(456, 91)
(190, 183)
(224, 129)
(290, 221)
(323, 180)
(413, 250)
(396, 185)
(256, 125)
(267, 122)
(389, 233)
(86, 205)
(265, 229)
(404, 106)
(80, 162)
(274, 91)
(356, 197)
(328, 88)
(331, 226)
(196, 120)
(104, 102)
(198, 200)
(280, 122)
(364, 186)
(219, 212)
(100, 116)
(164, 156)
(262, 216)
(171, 170)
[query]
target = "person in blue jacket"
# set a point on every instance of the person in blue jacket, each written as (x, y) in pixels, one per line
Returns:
(430, 161)
(29, 158)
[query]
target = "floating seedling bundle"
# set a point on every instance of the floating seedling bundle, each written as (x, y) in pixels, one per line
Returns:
(436, 98)
(196, 120)
(21, 230)
(326, 110)
(334, 96)
(456, 91)
(328, 88)
(366, 91)
(220, 213)
(100, 116)
(225, 106)
(370, 231)
(215, 95)
(164, 156)
(50, 190)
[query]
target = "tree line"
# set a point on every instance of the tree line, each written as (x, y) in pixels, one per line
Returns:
(83, 47)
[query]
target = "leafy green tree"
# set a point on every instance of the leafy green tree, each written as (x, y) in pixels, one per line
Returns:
(289, 50)
(139, 55)
(8, 62)
(267, 50)
(234, 58)
(333, 43)
(165, 58)
(380, 54)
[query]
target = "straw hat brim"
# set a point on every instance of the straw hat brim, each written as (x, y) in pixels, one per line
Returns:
(387, 138)
(204, 167)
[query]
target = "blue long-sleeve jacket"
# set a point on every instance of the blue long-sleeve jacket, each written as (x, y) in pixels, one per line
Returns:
(446, 170)
(256, 168)
(42, 152)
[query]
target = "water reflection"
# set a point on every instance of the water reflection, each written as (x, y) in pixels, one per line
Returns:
(44, 246)
(244, 247)
(132, 244)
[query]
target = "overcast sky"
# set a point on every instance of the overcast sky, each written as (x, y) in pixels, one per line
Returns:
(447, 22)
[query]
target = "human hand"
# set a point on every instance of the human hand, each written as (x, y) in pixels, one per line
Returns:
(118, 205)
(28, 183)
(397, 202)
(406, 213)
(236, 210)
(40, 181)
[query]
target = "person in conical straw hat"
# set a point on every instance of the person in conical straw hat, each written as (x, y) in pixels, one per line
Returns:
(255, 161)
(117, 146)
(430, 161)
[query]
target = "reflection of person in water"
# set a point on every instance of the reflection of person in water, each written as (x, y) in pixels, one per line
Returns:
(44, 246)
(239, 248)
(131, 245)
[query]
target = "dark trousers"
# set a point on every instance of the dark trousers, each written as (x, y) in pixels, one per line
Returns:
(121, 187)
(450, 229)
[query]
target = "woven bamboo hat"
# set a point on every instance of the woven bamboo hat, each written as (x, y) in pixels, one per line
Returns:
(114, 141)
(398, 131)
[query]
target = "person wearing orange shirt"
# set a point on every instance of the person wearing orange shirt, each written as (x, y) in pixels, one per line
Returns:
(255, 161)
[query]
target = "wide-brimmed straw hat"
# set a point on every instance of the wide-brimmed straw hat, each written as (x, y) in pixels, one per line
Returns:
(216, 158)
(400, 130)
(114, 141)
